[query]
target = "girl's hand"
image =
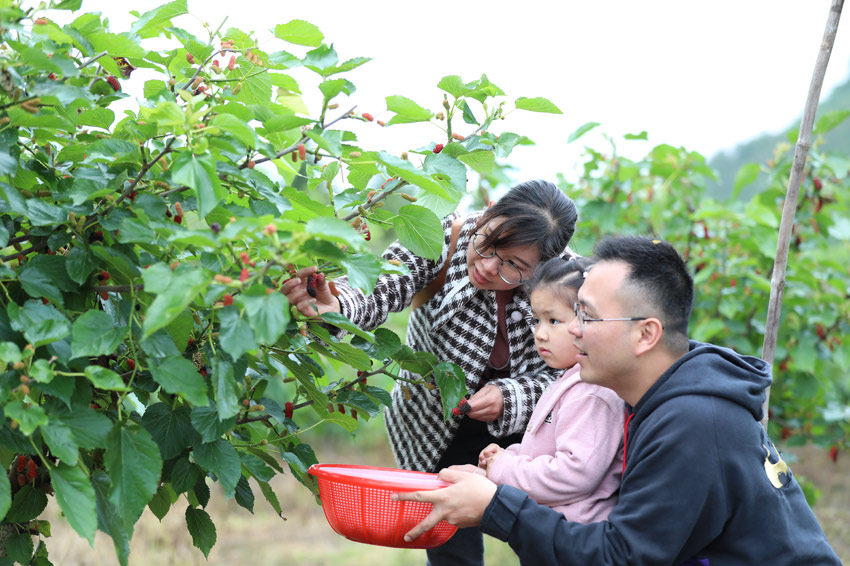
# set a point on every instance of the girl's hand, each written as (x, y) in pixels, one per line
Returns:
(485, 455)
(488, 462)
(296, 293)
(487, 404)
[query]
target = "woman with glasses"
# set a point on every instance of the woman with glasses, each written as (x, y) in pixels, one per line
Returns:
(479, 318)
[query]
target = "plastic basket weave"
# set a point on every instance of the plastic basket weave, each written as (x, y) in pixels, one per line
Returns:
(356, 501)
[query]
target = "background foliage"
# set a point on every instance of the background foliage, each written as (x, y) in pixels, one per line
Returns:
(144, 348)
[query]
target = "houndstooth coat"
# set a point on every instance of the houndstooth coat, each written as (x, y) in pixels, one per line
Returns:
(457, 325)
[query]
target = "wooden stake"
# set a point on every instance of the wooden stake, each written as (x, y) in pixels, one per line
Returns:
(804, 143)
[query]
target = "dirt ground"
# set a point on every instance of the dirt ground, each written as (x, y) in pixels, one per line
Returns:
(305, 538)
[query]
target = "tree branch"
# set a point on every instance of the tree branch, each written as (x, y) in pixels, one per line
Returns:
(777, 282)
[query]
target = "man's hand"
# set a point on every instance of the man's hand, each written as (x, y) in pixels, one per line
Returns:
(315, 304)
(461, 504)
(487, 404)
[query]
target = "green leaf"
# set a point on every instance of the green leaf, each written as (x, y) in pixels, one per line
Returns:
(161, 502)
(226, 389)
(481, 161)
(385, 343)
(299, 32)
(136, 230)
(28, 504)
(220, 458)
(745, 176)
(75, 495)
(154, 22)
(407, 111)
(641, 136)
(80, 264)
(468, 116)
(201, 528)
(171, 430)
(244, 495)
(19, 548)
(452, 384)
(398, 167)
(89, 428)
(179, 293)
(184, 475)
(537, 104)
(268, 313)
(178, 376)
(205, 420)
(109, 519)
(363, 271)
(271, 497)
(134, 464)
(41, 324)
(41, 371)
(236, 336)
(236, 127)
(199, 174)
(60, 440)
(341, 321)
(104, 378)
(581, 130)
(97, 117)
(453, 85)
(420, 230)
(10, 353)
(28, 417)
(94, 334)
(830, 120)
(5, 497)
(257, 467)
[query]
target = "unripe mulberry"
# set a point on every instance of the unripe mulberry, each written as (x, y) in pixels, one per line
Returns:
(367, 116)
(302, 151)
(32, 469)
(228, 300)
(287, 409)
(190, 58)
(438, 148)
(332, 287)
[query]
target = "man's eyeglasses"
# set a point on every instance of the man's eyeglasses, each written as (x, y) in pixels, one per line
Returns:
(583, 319)
(509, 272)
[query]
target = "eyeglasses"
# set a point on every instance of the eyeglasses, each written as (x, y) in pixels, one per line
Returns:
(509, 272)
(583, 319)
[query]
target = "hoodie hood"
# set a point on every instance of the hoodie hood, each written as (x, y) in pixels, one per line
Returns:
(711, 370)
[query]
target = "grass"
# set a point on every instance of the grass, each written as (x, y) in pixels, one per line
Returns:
(305, 538)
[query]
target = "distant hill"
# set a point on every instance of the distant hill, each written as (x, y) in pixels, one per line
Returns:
(761, 148)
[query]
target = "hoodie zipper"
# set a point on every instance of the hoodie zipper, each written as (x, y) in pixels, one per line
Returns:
(626, 437)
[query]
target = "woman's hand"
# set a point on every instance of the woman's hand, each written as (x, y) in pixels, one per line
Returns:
(296, 293)
(487, 404)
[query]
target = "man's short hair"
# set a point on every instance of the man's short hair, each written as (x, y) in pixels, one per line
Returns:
(659, 284)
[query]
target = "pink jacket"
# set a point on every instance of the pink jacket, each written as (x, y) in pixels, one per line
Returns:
(571, 455)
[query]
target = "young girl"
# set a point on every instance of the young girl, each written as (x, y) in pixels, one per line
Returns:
(570, 457)
(479, 318)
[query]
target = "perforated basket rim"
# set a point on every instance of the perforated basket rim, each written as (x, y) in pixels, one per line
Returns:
(430, 483)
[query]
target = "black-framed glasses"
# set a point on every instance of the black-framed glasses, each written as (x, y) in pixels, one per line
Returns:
(583, 319)
(509, 272)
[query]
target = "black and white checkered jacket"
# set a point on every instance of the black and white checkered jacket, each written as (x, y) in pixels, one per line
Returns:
(457, 325)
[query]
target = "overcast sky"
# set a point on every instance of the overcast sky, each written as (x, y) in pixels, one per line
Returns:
(705, 75)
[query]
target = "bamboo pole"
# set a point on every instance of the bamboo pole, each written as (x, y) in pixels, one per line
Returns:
(777, 281)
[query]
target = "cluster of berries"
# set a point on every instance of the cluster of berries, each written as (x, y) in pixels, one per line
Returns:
(462, 408)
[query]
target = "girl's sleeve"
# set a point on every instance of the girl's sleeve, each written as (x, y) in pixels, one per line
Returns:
(589, 432)
(392, 293)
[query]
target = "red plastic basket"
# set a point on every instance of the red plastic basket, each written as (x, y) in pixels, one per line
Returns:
(357, 504)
